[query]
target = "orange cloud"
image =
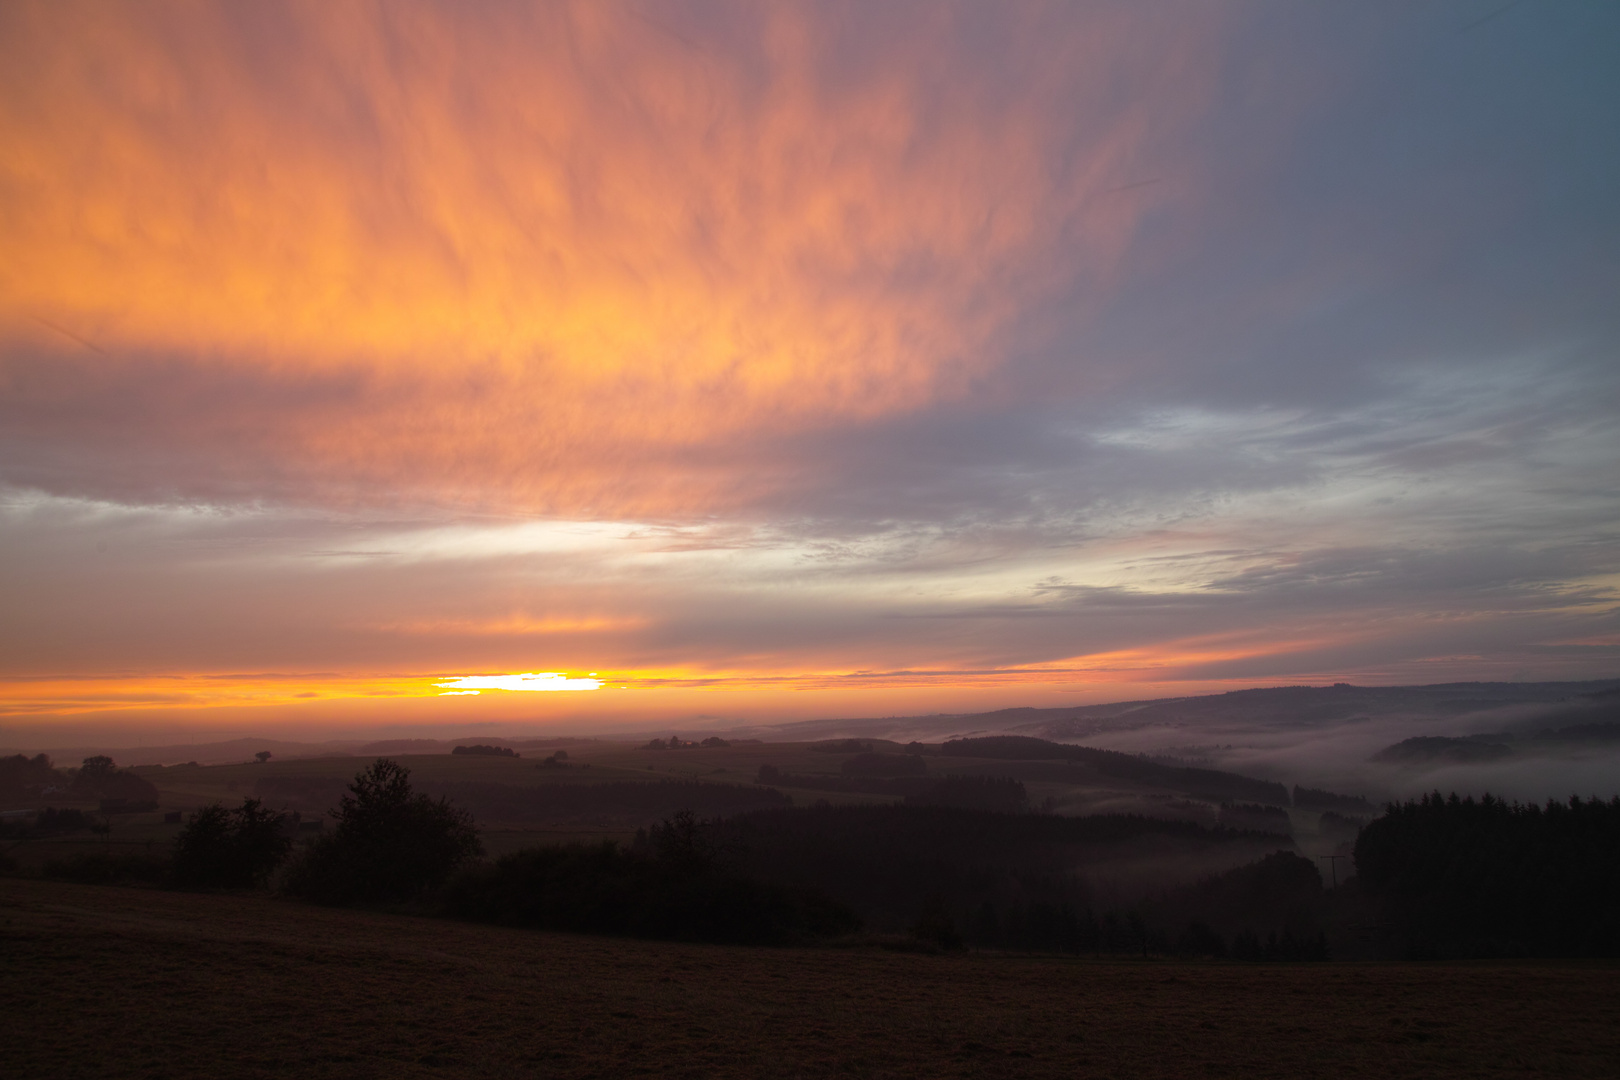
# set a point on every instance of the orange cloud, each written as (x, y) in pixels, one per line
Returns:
(55, 696)
(514, 254)
(516, 625)
(182, 692)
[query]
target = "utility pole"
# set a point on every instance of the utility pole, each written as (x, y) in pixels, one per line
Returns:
(1333, 861)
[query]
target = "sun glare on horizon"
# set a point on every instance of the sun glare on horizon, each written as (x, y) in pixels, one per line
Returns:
(530, 681)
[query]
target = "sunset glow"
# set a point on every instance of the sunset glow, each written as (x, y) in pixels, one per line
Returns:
(766, 358)
(541, 681)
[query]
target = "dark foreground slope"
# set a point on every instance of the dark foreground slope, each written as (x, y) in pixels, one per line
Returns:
(125, 982)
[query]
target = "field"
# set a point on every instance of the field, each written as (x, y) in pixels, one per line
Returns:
(120, 982)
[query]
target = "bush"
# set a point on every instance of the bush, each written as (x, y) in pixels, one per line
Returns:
(671, 888)
(1282, 891)
(27, 778)
(390, 843)
(99, 778)
(487, 751)
(231, 849)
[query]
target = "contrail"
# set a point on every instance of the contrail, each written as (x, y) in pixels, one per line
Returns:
(70, 334)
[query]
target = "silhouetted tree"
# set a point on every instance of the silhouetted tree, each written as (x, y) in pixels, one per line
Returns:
(239, 849)
(99, 778)
(96, 768)
(27, 778)
(679, 844)
(390, 844)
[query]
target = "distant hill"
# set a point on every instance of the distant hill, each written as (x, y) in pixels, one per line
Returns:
(214, 753)
(1432, 749)
(231, 751)
(1279, 707)
(1571, 705)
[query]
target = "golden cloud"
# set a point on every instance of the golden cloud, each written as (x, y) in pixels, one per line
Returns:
(515, 254)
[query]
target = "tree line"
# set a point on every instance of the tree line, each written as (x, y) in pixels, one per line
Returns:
(1458, 877)
(96, 778)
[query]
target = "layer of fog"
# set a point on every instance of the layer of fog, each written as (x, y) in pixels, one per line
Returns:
(1339, 757)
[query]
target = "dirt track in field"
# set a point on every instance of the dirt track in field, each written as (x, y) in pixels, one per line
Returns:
(135, 983)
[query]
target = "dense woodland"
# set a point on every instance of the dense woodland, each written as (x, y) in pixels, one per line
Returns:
(1456, 877)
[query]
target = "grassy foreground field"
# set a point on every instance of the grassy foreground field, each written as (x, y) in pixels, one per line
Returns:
(116, 982)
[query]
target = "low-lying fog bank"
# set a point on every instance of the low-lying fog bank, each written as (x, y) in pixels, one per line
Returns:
(1526, 752)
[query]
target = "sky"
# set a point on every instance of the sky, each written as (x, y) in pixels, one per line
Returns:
(714, 362)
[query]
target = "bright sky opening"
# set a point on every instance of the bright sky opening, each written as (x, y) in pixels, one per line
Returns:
(545, 680)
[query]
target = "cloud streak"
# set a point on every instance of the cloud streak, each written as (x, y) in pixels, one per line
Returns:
(513, 255)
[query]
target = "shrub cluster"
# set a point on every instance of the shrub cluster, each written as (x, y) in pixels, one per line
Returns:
(390, 845)
(670, 886)
(481, 750)
(230, 849)
(49, 822)
(99, 778)
(1267, 910)
(24, 777)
